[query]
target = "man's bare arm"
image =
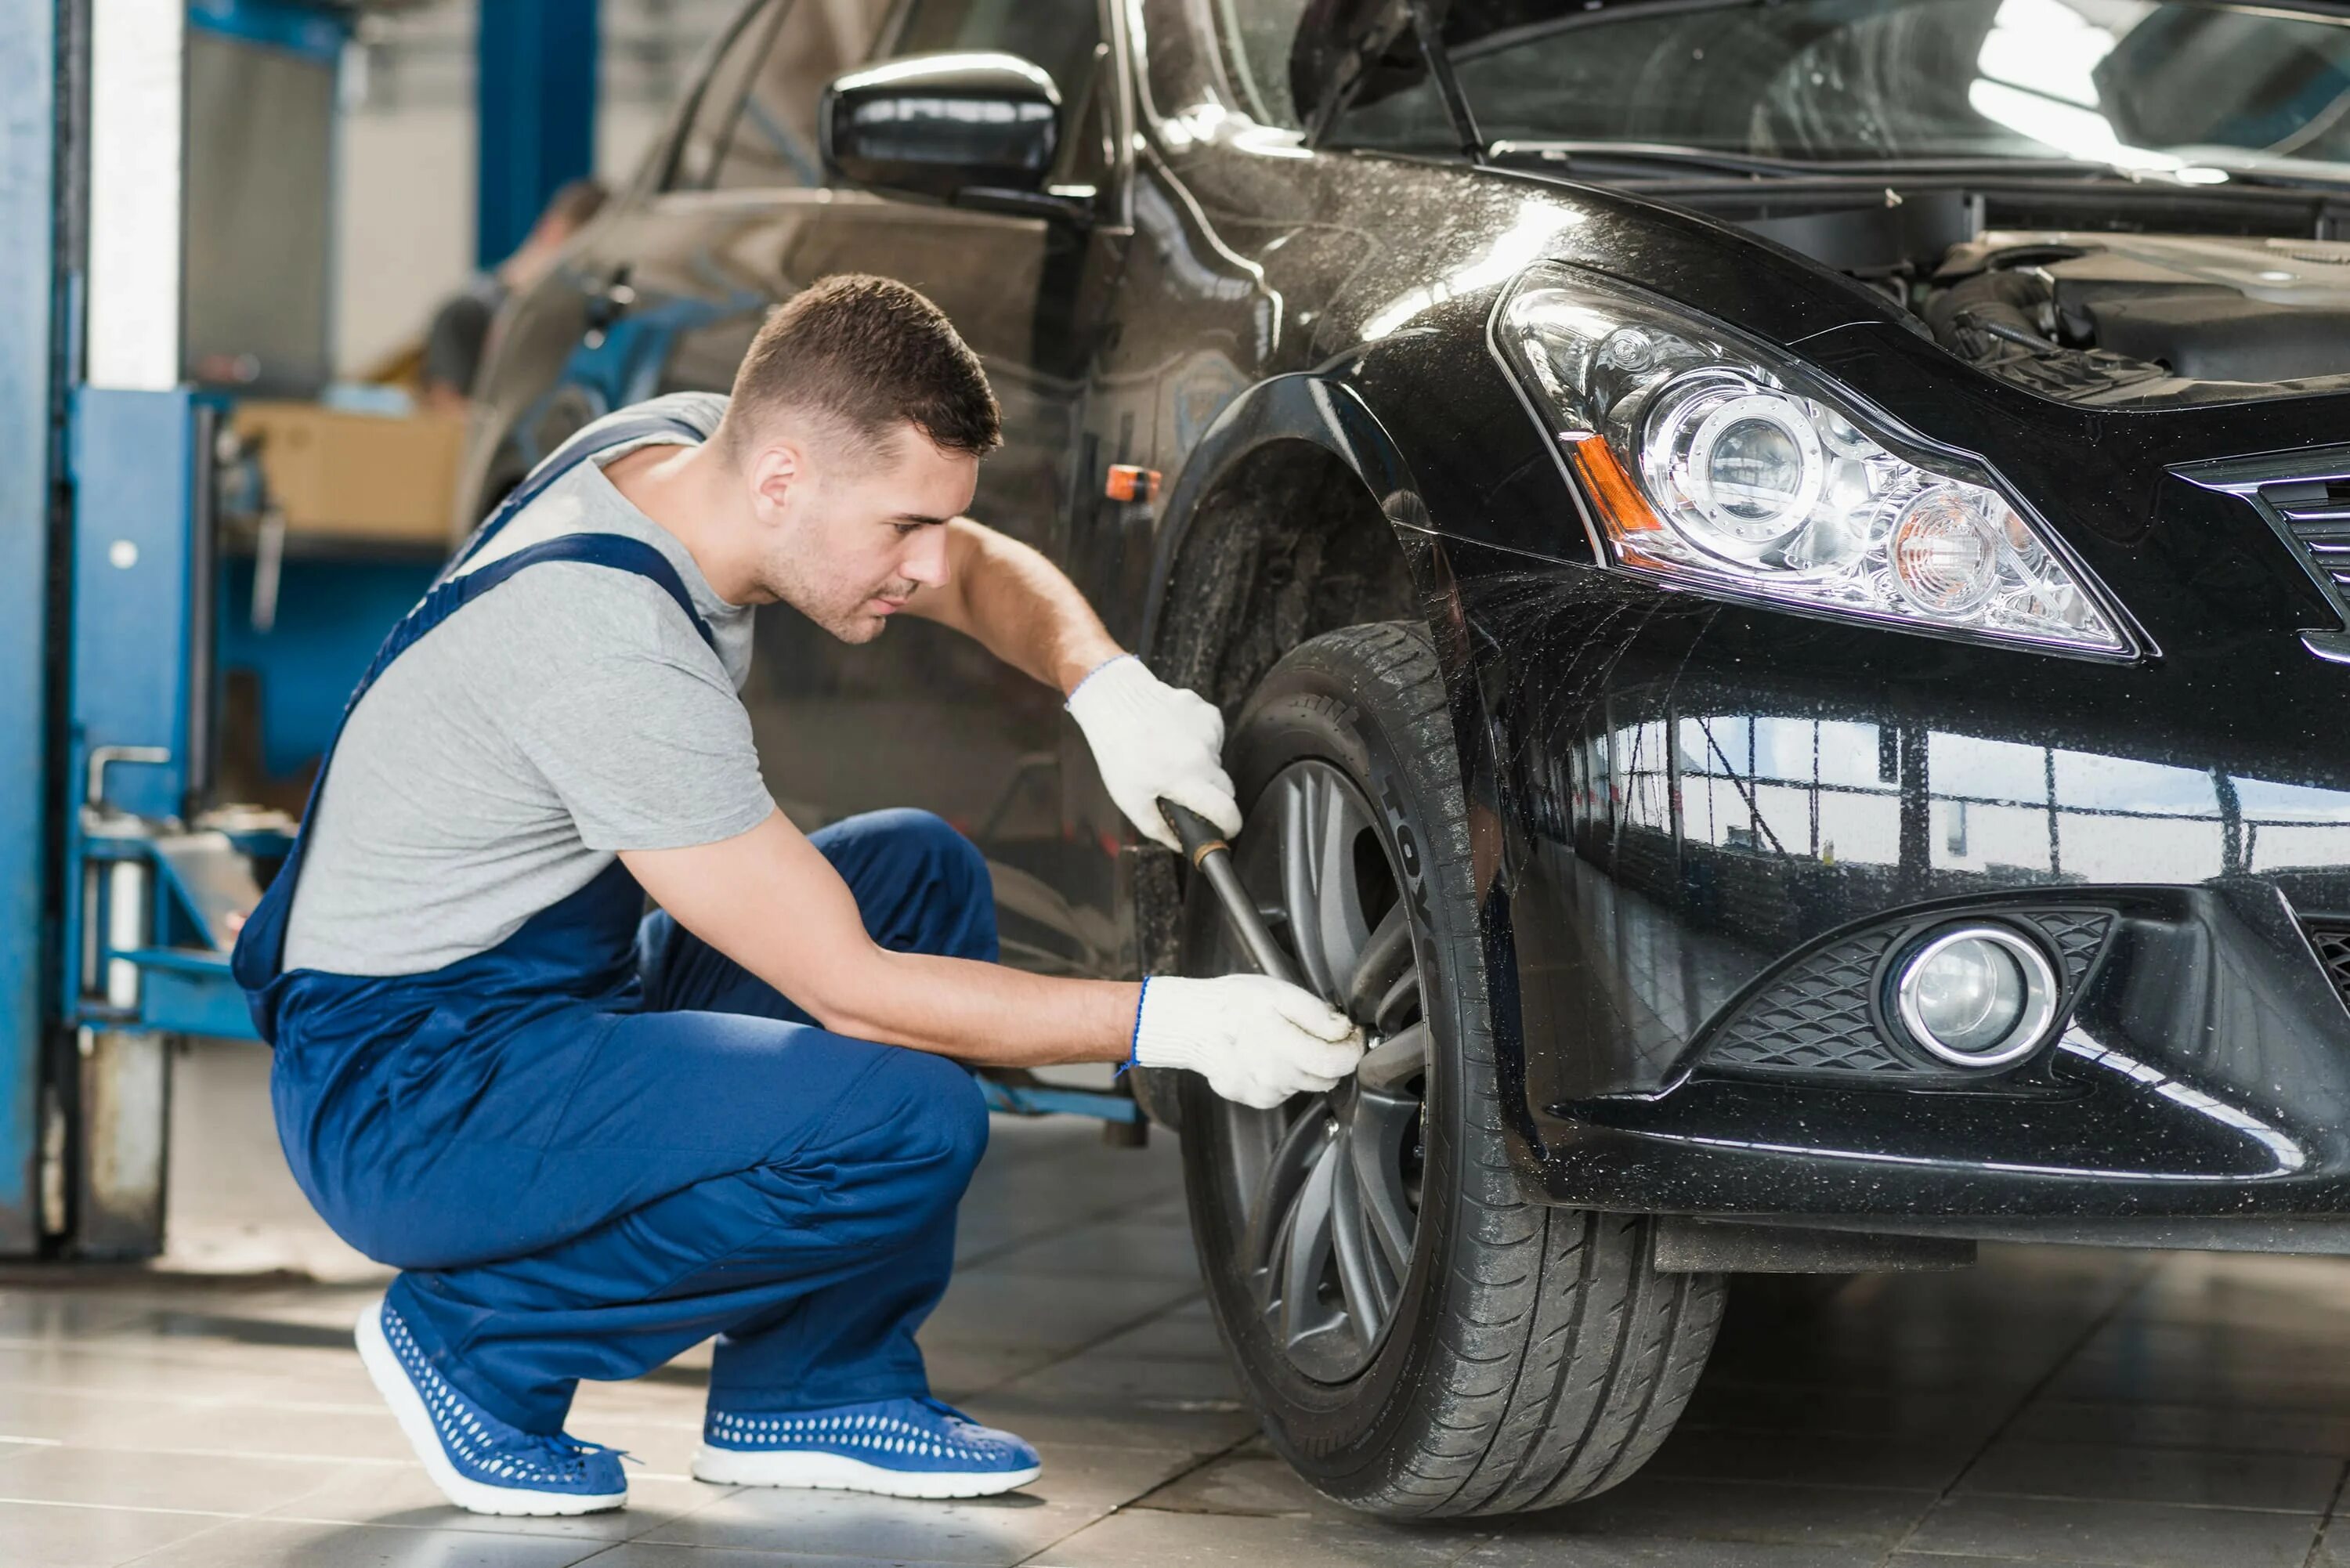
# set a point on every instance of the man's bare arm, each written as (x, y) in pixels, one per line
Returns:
(771, 901)
(1018, 606)
(1151, 740)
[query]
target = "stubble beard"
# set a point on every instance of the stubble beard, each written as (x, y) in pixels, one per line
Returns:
(845, 619)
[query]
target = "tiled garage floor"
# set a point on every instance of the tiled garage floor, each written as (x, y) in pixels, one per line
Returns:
(2052, 1405)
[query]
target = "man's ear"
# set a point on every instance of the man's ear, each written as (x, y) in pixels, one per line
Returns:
(775, 471)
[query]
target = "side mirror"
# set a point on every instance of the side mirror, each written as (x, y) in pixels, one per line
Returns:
(942, 124)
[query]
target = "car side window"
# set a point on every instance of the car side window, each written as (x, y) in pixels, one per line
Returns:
(721, 98)
(1258, 36)
(773, 142)
(1062, 36)
(1088, 147)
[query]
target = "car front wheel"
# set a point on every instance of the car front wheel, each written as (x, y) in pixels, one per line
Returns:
(1419, 1339)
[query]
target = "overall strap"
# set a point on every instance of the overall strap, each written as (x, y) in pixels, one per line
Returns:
(260, 952)
(261, 945)
(446, 598)
(596, 438)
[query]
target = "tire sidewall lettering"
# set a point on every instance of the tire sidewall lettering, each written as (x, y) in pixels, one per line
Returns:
(1386, 788)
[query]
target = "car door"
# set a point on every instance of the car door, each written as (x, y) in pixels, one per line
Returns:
(923, 717)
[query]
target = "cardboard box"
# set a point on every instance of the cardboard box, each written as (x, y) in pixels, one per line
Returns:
(358, 476)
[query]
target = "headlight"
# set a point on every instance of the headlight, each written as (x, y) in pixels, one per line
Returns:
(1714, 460)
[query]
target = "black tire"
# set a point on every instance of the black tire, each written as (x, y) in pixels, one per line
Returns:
(1530, 1355)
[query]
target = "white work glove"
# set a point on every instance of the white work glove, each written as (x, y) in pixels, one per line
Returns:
(1150, 739)
(1256, 1039)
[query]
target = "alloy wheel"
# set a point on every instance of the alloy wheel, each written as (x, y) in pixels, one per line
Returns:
(1331, 1182)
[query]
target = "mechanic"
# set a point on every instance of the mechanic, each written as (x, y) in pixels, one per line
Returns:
(591, 1137)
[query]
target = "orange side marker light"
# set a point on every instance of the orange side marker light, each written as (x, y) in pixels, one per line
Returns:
(1128, 482)
(1624, 512)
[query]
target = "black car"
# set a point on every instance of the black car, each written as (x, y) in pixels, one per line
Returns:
(1778, 572)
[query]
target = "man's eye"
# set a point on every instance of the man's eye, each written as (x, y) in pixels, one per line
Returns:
(905, 530)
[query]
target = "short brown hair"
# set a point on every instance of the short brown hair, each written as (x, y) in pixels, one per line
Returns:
(868, 354)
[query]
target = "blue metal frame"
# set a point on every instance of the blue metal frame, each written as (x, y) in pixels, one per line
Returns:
(134, 465)
(535, 76)
(332, 614)
(1043, 1100)
(184, 983)
(134, 469)
(29, 377)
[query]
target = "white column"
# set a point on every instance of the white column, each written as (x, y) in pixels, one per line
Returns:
(137, 129)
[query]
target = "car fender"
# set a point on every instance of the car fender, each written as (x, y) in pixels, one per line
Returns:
(1335, 416)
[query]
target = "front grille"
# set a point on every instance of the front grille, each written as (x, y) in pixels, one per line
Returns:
(2305, 498)
(2316, 513)
(1816, 1017)
(2332, 940)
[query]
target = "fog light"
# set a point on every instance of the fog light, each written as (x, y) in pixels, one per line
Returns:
(1977, 996)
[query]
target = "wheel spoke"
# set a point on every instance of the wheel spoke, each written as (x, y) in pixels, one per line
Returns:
(1293, 1159)
(1339, 893)
(1299, 803)
(1395, 1061)
(1385, 957)
(1405, 988)
(1327, 1222)
(1362, 1280)
(1375, 1145)
(1305, 1247)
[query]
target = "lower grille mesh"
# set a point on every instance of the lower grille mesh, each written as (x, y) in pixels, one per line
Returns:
(1815, 1019)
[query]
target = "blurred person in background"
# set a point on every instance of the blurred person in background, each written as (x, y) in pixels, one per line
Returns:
(460, 331)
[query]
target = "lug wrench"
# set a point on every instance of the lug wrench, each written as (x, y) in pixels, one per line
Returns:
(1213, 858)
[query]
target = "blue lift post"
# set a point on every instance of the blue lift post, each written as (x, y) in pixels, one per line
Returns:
(535, 94)
(30, 382)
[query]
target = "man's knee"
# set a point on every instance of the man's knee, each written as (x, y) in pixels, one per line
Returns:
(934, 845)
(924, 888)
(943, 1116)
(921, 1126)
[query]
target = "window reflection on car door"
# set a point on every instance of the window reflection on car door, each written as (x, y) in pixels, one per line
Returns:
(923, 717)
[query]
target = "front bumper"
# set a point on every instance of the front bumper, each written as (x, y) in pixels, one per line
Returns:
(1691, 809)
(1676, 802)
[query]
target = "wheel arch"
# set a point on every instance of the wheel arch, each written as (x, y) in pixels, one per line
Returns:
(1295, 472)
(1299, 474)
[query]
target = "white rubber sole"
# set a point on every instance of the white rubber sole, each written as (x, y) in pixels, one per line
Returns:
(407, 1407)
(837, 1473)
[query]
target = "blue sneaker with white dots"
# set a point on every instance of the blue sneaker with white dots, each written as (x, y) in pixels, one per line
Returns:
(479, 1462)
(899, 1447)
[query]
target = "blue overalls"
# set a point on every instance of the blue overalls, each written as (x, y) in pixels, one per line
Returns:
(602, 1141)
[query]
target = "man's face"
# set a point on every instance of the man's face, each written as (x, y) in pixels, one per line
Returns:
(848, 541)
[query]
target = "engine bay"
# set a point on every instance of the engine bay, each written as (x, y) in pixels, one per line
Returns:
(2171, 302)
(2107, 318)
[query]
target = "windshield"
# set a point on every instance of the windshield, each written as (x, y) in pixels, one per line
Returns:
(2153, 85)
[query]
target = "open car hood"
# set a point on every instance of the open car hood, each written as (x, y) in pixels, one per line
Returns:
(1346, 48)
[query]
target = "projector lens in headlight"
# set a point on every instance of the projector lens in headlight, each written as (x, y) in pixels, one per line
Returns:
(1743, 468)
(1723, 464)
(1977, 996)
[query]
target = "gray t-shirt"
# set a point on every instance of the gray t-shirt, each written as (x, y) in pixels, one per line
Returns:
(571, 711)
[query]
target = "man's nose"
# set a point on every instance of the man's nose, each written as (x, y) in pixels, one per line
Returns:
(926, 563)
